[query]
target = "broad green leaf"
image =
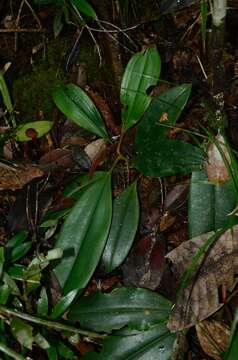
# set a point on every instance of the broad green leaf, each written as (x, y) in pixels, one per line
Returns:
(164, 111)
(84, 235)
(17, 239)
(33, 130)
(169, 157)
(63, 304)
(20, 251)
(209, 204)
(142, 71)
(134, 307)
(84, 7)
(52, 353)
(22, 331)
(42, 303)
(155, 343)
(78, 107)
(125, 217)
(64, 351)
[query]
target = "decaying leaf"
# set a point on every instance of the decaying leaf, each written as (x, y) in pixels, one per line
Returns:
(15, 177)
(217, 267)
(216, 168)
(213, 336)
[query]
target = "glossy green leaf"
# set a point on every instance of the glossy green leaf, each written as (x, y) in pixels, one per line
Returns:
(155, 343)
(125, 218)
(78, 107)
(84, 235)
(37, 128)
(42, 303)
(142, 71)
(209, 204)
(22, 331)
(20, 251)
(63, 304)
(164, 111)
(169, 157)
(157, 155)
(84, 7)
(17, 239)
(135, 307)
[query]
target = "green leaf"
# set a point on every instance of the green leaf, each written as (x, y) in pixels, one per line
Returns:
(155, 343)
(5, 93)
(231, 353)
(157, 155)
(84, 7)
(32, 130)
(17, 239)
(209, 204)
(20, 251)
(84, 235)
(4, 294)
(57, 23)
(63, 304)
(78, 107)
(2, 260)
(135, 307)
(125, 218)
(142, 71)
(169, 157)
(164, 110)
(42, 304)
(22, 331)
(41, 341)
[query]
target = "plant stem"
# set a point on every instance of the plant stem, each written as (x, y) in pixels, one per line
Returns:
(217, 64)
(51, 324)
(7, 351)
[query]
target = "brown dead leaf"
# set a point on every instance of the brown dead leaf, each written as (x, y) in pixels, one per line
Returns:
(213, 336)
(15, 177)
(104, 110)
(217, 267)
(216, 169)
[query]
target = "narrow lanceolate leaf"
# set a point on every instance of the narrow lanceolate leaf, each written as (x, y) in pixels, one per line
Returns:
(123, 228)
(84, 235)
(78, 107)
(155, 343)
(84, 7)
(135, 307)
(142, 71)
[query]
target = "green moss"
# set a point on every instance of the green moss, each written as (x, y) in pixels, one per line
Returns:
(32, 91)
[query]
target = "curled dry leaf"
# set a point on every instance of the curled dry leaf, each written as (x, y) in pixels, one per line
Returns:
(95, 149)
(217, 267)
(15, 177)
(104, 109)
(216, 168)
(213, 336)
